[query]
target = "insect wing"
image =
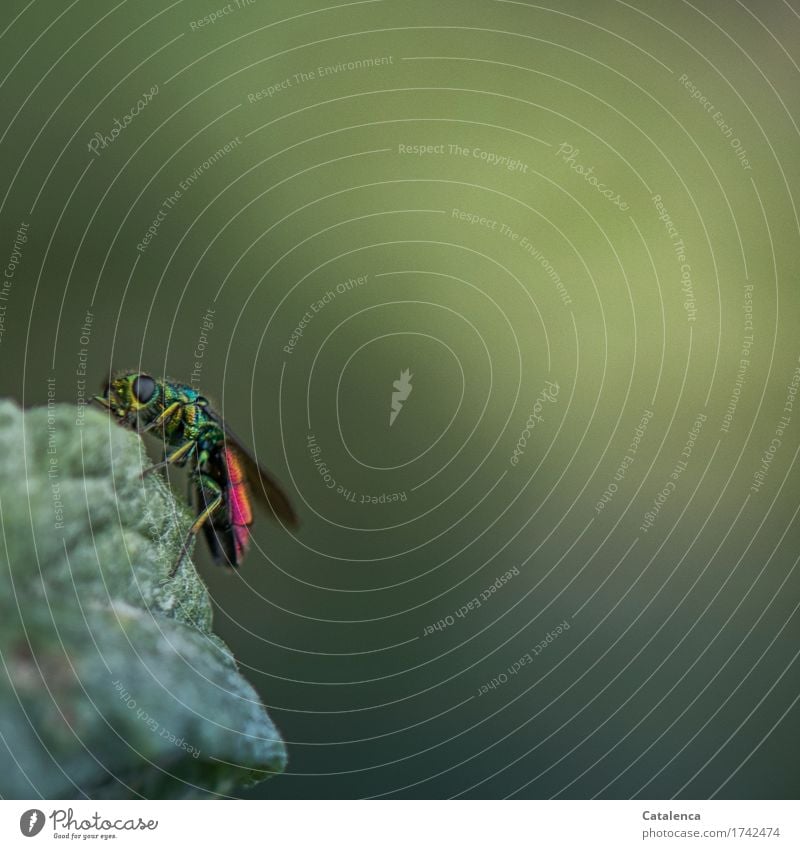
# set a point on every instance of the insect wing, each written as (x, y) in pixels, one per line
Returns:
(263, 486)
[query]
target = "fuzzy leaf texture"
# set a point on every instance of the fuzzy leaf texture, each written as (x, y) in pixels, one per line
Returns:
(112, 684)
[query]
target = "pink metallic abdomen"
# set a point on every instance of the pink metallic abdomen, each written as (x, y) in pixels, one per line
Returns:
(239, 510)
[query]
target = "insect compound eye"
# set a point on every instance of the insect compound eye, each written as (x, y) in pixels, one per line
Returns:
(143, 388)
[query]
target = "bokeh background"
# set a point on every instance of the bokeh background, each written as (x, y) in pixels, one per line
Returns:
(592, 200)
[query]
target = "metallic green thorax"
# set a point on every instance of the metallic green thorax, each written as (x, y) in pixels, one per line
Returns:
(191, 421)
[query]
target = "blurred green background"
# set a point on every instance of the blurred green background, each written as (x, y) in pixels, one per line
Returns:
(455, 155)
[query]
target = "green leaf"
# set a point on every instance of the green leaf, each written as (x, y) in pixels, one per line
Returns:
(112, 684)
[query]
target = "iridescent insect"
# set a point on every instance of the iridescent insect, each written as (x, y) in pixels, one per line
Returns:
(221, 468)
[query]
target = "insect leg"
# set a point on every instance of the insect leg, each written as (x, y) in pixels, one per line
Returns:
(165, 414)
(211, 494)
(177, 456)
